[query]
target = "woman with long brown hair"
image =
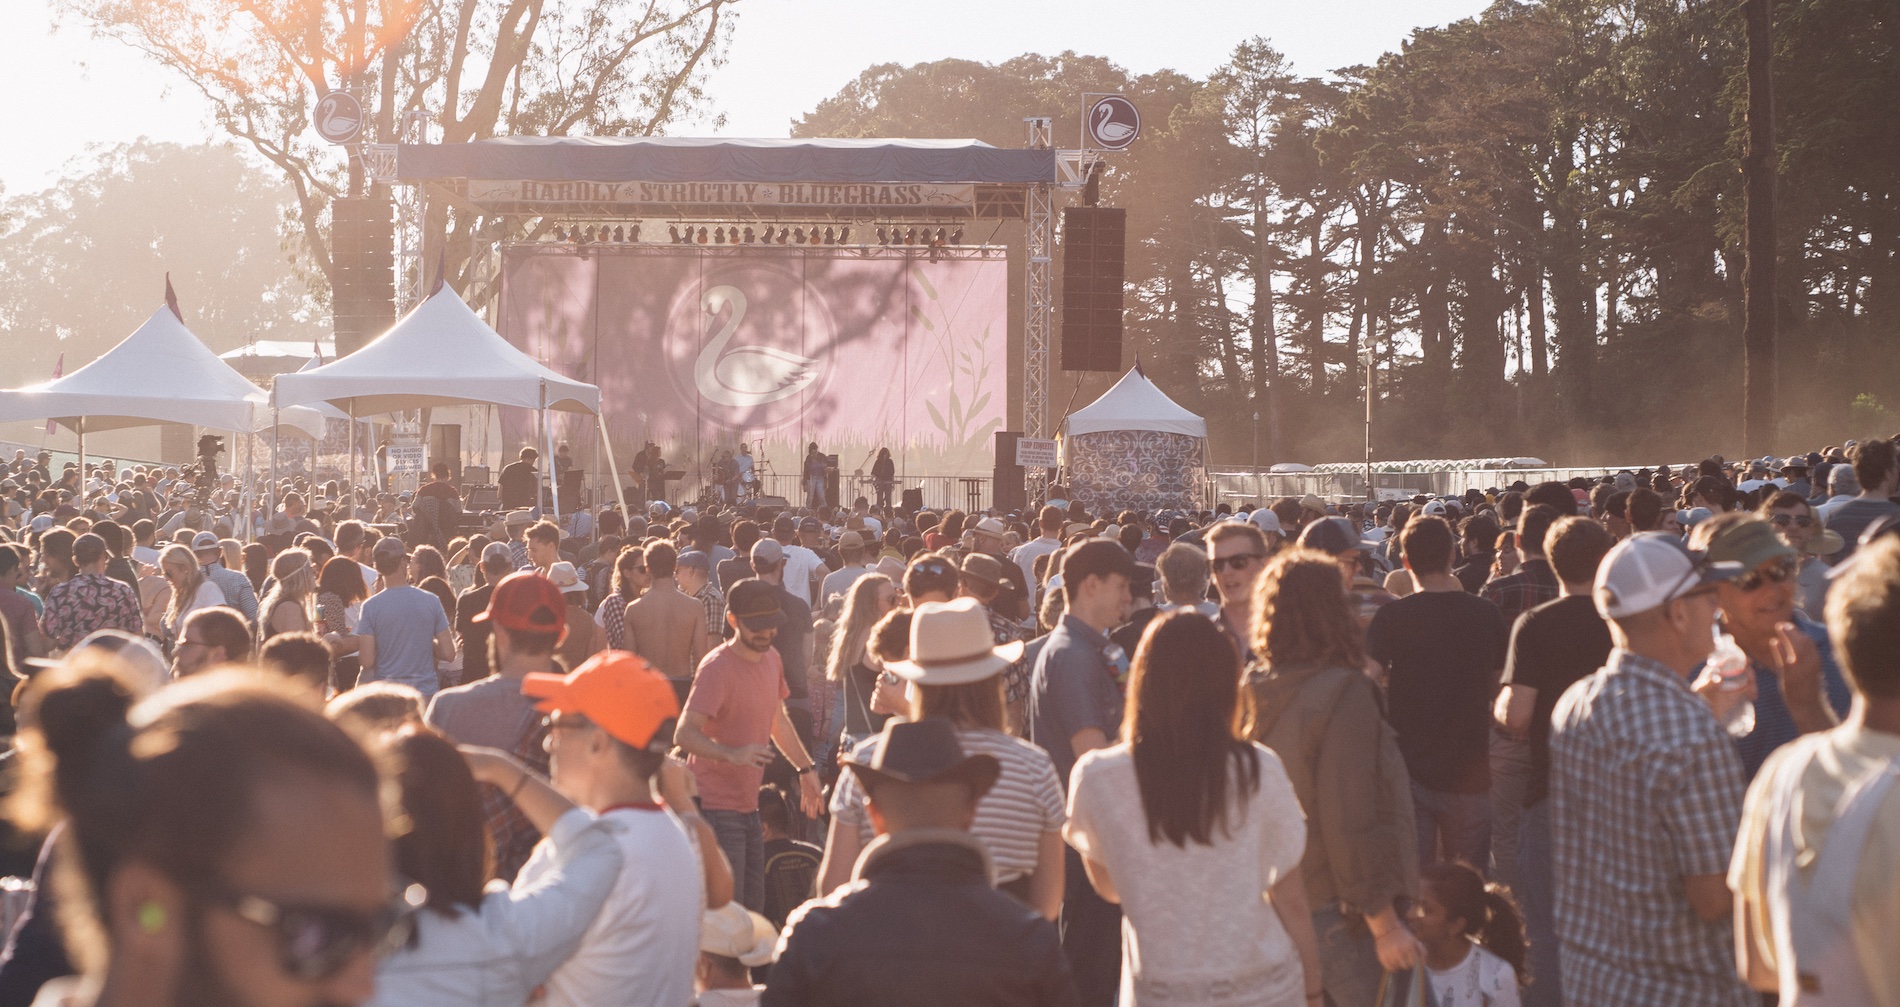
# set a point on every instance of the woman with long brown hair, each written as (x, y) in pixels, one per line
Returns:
(1315, 707)
(1196, 832)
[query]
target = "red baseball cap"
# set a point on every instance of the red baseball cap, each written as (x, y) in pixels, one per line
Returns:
(617, 691)
(525, 602)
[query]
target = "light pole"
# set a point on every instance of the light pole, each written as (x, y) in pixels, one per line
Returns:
(1370, 357)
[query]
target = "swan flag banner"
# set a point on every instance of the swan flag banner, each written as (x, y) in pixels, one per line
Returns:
(698, 349)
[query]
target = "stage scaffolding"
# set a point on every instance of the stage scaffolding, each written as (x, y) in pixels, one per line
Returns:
(416, 173)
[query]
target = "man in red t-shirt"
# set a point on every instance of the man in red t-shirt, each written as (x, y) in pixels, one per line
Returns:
(737, 706)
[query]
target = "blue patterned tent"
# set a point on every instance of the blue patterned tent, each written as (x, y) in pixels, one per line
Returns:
(1135, 449)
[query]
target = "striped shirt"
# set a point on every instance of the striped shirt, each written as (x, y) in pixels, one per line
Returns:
(1010, 820)
(1646, 790)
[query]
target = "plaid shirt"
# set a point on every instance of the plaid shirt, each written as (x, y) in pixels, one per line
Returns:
(88, 602)
(1533, 584)
(714, 602)
(1646, 790)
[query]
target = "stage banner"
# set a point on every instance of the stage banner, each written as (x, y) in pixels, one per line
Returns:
(700, 351)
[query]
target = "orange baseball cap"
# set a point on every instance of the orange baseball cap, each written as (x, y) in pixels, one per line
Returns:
(617, 691)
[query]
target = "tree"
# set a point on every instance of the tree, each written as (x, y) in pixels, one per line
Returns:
(477, 68)
(86, 259)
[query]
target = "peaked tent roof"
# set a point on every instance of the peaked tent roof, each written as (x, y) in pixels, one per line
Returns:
(1135, 403)
(161, 373)
(439, 354)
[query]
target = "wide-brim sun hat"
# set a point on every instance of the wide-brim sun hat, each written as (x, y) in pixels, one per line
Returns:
(951, 644)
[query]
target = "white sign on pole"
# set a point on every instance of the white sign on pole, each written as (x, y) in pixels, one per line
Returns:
(1036, 453)
(405, 458)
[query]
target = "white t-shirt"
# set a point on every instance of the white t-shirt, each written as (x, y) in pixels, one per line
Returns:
(800, 563)
(1196, 925)
(839, 581)
(642, 947)
(1025, 555)
(1481, 980)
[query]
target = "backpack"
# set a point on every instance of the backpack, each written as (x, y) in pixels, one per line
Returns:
(1394, 781)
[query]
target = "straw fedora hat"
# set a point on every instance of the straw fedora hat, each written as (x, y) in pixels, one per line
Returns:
(951, 643)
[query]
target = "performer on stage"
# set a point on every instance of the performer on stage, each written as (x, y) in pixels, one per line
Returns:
(744, 471)
(814, 477)
(656, 473)
(883, 477)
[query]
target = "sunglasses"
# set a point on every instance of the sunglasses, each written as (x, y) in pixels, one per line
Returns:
(1797, 520)
(1238, 562)
(314, 943)
(1781, 571)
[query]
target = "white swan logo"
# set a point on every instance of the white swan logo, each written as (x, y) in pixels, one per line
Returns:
(338, 117)
(742, 376)
(1113, 122)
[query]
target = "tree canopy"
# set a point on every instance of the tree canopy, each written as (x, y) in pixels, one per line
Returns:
(1532, 218)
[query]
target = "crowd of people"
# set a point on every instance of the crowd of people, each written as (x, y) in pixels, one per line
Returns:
(1628, 740)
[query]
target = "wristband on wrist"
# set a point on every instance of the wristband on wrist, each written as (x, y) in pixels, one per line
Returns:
(519, 783)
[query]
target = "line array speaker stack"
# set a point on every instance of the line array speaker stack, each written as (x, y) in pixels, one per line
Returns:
(1007, 490)
(1093, 256)
(363, 270)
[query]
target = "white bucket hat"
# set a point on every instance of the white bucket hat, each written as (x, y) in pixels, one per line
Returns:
(735, 932)
(951, 644)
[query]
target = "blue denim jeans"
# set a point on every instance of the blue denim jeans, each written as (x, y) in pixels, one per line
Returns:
(1452, 827)
(1348, 961)
(1091, 936)
(1537, 896)
(1510, 775)
(741, 839)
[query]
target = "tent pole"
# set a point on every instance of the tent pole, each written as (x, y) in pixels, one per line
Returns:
(547, 432)
(80, 428)
(613, 470)
(352, 475)
(273, 454)
(249, 496)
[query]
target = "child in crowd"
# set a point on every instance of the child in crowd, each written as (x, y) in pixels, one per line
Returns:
(1473, 938)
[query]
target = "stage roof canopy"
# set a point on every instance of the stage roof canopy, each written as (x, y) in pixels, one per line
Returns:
(694, 159)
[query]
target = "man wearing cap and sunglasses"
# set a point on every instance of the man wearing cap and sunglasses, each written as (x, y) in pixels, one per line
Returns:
(609, 727)
(734, 714)
(1646, 792)
(1799, 688)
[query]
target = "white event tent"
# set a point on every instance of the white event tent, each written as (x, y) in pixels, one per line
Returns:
(1135, 448)
(442, 354)
(161, 373)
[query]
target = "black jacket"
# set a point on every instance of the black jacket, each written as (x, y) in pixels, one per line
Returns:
(920, 926)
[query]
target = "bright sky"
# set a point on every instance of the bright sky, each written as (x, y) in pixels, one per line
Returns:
(66, 90)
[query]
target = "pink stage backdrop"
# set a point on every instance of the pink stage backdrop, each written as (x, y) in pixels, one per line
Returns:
(699, 349)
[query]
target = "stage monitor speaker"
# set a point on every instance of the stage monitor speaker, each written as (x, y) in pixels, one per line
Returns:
(1007, 490)
(913, 502)
(769, 508)
(1093, 266)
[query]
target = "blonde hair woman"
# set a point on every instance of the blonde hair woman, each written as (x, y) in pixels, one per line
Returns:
(287, 608)
(851, 665)
(190, 590)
